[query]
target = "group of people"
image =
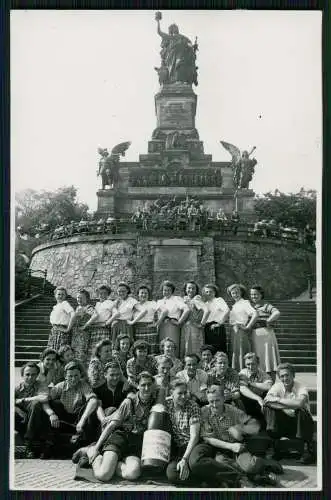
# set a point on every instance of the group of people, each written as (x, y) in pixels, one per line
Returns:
(106, 365)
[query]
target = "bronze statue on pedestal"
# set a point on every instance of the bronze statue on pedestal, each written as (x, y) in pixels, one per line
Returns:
(109, 164)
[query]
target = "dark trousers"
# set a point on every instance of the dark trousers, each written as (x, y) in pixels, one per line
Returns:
(252, 408)
(279, 424)
(34, 427)
(203, 467)
(39, 428)
(216, 337)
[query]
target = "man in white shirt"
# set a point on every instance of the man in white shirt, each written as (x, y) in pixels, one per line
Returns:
(195, 378)
(287, 411)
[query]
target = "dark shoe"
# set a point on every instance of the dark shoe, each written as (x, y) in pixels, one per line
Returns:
(78, 455)
(307, 458)
(47, 451)
(76, 438)
(84, 463)
(269, 479)
(274, 466)
(29, 453)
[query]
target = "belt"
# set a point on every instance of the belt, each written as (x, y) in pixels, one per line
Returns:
(261, 323)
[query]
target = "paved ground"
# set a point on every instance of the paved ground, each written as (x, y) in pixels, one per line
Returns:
(59, 474)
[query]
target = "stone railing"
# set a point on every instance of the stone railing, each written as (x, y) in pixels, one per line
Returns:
(166, 224)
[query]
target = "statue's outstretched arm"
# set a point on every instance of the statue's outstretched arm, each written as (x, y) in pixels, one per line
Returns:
(161, 33)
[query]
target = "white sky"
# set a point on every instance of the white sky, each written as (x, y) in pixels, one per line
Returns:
(83, 79)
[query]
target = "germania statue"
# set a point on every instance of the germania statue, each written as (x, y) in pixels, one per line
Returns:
(178, 56)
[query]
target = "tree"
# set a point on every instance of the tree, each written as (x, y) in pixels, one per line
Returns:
(50, 208)
(292, 209)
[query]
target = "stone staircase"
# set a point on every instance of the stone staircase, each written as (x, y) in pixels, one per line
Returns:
(296, 334)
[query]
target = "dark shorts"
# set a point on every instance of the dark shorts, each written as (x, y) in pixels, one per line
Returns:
(124, 443)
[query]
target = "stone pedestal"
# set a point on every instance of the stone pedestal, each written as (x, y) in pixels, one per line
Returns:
(175, 107)
(106, 203)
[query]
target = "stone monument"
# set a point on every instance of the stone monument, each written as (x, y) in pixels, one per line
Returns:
(176, 164)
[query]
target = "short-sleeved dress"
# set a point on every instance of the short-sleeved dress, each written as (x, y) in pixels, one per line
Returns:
(241, 312)
(59, 319)
(99, 331)
(192, 336)
(264, 342)
(120, 325)
(80, 338)
(174, 306)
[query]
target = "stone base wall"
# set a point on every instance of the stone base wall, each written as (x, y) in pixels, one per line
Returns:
(282, 270)
(89, 261)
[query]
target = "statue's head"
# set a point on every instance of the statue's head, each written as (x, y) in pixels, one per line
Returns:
(245, 154)
(173, 29)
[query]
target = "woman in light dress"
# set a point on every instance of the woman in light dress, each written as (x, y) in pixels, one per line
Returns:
(98, 326)
(122, 313)
(172, 312)
(264, 342)
(242, 317)
(96, 368)
(192, 335)
(80, 338)
(218, 311)
(144, 319)
(60, 319)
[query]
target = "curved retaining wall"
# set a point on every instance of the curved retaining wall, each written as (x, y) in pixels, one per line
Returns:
(89, 261)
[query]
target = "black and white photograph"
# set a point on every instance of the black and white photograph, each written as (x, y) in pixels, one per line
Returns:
(165, 309)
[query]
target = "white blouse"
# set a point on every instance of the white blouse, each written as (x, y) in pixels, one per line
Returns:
(174, 306)
(125, 308)
(61, 313)
(241, 311)
(217, 307)
(104, 310)
(150, 309)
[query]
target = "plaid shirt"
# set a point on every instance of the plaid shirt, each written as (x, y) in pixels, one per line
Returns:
(259, 376)
(23, 391)
(133, 413)
(134, 369)
(181, 420)
(72, 398)
(217, 426)
(229, 381)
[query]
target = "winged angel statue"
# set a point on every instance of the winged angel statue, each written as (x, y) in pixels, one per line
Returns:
(242, 165)
(109, 164)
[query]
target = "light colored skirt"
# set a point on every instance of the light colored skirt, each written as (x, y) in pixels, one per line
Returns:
(192, 339)
(58, 337)
(240, 345)
(265, 346)
(168, 329)
(148, 333)
(120, 326)
(97, 333)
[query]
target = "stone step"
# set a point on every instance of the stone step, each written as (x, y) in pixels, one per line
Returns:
(304, 368)
(299, 354)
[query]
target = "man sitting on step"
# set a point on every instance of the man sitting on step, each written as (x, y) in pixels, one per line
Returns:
(254, 385)
(29, 393)
(70, 406)
(287, 411)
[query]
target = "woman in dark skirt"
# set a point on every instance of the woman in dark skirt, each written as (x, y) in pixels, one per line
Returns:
(215, 333)
(97, 324)
(122, 313)
(61, 320)
(144, 316)
(80, 338)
